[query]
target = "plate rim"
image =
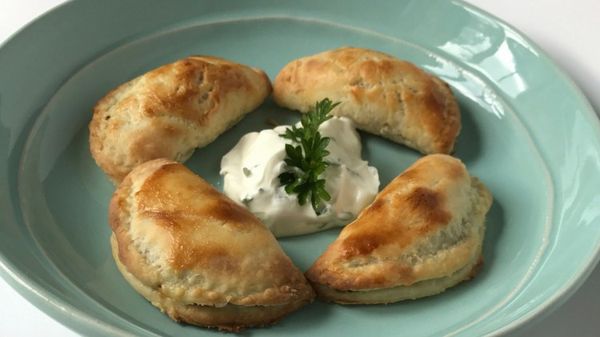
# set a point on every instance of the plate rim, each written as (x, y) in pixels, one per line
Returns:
(76, 320)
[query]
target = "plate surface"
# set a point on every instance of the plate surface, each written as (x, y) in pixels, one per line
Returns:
(528, 133)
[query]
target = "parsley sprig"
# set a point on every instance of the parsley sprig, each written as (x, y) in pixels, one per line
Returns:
(305, 159)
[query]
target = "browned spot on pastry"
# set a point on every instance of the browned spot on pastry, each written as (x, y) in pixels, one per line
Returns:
(180, 203)
(316, 65)
(369, 70)
(146, 144)
(476, 268)
(362, 245)
(233, 80)
(169, 220)
(370, 238)
(456, 172)
(428, 205)
(410, 174)
(422, 205)
(386, 67)
(434, 101)
(404, 273)
(215, 258)
(231, 214)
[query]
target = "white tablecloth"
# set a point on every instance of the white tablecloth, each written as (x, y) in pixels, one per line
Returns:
(568, 31)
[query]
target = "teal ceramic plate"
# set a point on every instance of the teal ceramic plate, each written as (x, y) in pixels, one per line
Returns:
(528, 133)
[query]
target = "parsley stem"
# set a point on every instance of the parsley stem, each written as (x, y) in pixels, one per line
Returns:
(305, 157)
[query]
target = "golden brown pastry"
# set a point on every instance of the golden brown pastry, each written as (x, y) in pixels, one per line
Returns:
(198, 256)
(171, 110)
(382, 94)
(421, 235)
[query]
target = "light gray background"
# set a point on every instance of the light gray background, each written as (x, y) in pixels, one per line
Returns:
(568, 30)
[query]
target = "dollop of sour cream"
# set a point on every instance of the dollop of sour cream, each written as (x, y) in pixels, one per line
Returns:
(251, 168)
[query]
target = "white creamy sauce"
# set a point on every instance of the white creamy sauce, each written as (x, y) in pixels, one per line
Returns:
(251, 168)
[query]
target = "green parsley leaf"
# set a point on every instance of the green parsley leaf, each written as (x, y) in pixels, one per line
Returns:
(305, 159)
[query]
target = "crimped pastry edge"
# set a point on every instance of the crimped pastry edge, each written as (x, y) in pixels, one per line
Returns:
(395, 294)
(231, 317)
